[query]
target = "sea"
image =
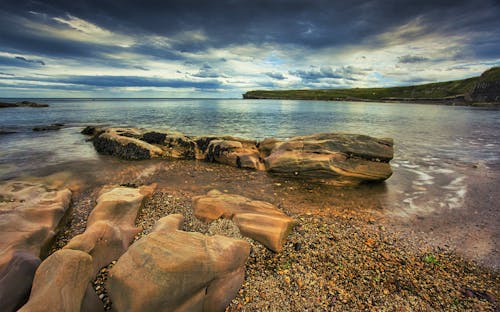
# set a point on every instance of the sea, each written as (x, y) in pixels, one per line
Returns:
(436, 146)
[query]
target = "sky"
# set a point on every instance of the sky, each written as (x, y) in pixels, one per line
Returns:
(193, 48)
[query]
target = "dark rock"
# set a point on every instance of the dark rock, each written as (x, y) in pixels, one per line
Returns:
(56, 126)
(154, 137)
(297, 246)
(22, 104)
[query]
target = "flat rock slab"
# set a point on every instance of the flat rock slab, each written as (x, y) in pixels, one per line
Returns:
(173, 270)
(344, 159)
(60, 282)
(30, 216)
(261, 221)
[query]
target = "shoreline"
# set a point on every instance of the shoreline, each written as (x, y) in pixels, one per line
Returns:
(401, 101)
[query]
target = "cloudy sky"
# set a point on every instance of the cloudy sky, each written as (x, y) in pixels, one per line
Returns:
(194, 48)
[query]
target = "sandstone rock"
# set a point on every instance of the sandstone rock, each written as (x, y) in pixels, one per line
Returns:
(60, 282)
(258, 220)
(30, 216)
(342, 159)
(16, 279)
(110, 225)
(345, 158)
(173, 270)
(125, 143)
(241, 154)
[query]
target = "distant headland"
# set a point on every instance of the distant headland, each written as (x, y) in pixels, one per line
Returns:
(22, 104)
(483, 90)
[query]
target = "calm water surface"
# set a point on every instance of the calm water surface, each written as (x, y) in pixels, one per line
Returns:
(432, 143)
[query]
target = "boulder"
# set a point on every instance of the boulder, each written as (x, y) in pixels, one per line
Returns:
(234, 152)
(259, 220)
(173, 270)
(30, 216)
(110, 225)
(60, 282)
(341, 158)
(125, 143)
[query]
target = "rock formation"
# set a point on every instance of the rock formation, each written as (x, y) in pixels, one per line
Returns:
(341, 158)
(173, 270)
(258, 220)
(30, 217)
(327, 157)
(110, 225)
(22, 104)
(60, 282)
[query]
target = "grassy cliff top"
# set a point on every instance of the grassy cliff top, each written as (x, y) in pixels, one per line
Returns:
(439, 90)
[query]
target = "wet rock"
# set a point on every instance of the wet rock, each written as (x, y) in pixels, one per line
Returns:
(52, 127)
(30, 216)
(110, 225)
(241, 154)
(22, 104)
(125, 143)
(258, 220)
(60, 282)
(343, 158)
(173, 270)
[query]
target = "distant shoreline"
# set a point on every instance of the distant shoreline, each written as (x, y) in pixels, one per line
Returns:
(482, 91)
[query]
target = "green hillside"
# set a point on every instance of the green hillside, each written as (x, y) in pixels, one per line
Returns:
(457, 90)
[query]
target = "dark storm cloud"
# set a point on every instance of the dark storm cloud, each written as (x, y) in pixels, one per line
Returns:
(327, 72)
(277, 76)
(313, 24)
(206, 71)
(122, 81)
(405, 59)
(21, 58)
(19, 61)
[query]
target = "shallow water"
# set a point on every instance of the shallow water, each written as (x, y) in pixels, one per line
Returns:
(434, 145)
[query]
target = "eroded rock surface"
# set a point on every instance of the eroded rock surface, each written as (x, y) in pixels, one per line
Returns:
(261, 221)
(342, 158)
(173, 270)
(110, 225)
(30, 216)
(60, 282)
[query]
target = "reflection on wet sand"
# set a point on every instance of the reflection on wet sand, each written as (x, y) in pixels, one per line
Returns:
(464, 222)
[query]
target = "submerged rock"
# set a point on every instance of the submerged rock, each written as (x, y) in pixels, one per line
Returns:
(30, 217)
(125, 143)
(52, 127)
(173, 270)
(258, 220)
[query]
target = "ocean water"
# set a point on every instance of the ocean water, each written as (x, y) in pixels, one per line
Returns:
(433, 144)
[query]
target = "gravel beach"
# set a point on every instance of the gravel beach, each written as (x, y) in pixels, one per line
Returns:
(342, 255)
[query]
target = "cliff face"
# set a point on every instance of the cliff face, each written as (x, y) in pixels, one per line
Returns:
(487, 88)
